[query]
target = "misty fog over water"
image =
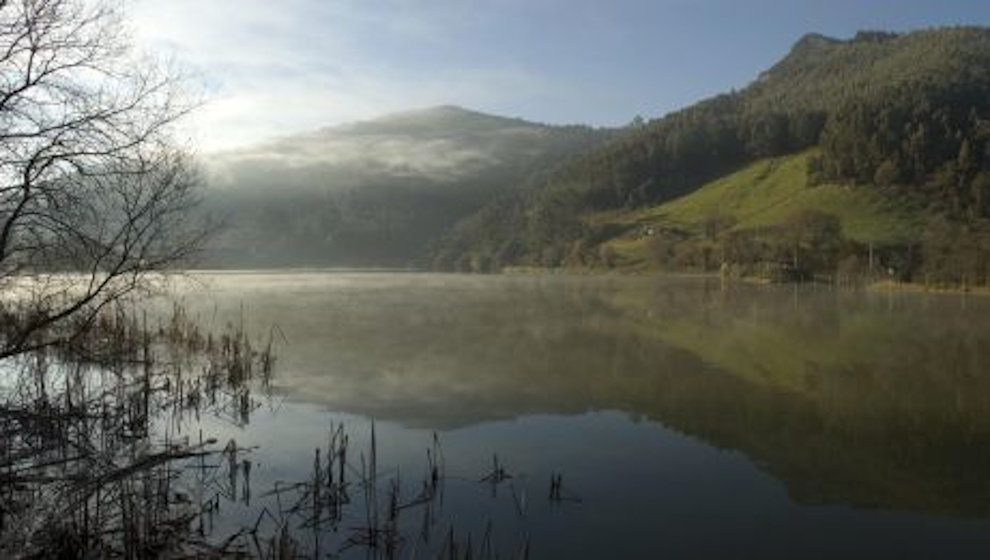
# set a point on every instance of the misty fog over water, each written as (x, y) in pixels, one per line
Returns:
(684, 418)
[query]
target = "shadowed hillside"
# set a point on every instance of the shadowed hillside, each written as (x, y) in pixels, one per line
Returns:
(374, 193)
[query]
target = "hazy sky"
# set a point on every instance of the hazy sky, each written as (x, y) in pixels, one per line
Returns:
(272, 67)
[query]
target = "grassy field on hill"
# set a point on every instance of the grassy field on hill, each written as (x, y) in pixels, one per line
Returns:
(766, 194)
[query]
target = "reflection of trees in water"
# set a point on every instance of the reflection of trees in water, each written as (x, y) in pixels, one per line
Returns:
(849, 397)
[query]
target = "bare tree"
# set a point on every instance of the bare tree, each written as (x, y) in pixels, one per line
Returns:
(95, 195)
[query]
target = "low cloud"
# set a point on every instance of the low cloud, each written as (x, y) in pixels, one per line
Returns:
(437, 160)
(272, 69)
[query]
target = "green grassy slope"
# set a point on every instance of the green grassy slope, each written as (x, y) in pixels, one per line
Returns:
(767, 193)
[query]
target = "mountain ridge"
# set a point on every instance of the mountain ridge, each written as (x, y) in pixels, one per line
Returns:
(894, 112)
(899, 114)
(374, 192)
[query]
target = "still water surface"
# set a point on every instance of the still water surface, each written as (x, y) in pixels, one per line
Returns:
(686, 419)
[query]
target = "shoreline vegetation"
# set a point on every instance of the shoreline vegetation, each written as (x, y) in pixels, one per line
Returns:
(874, 285)
(92, 461)
(104, 455)
(914, 287)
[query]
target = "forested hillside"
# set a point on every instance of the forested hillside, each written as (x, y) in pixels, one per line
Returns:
(373, 193)
(896, 116)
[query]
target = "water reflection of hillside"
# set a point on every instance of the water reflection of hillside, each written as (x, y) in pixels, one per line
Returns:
(866, 399)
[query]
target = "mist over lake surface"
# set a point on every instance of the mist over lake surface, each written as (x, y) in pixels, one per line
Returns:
(686, 418)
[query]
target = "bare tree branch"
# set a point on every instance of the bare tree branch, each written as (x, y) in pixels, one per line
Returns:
(95, 196)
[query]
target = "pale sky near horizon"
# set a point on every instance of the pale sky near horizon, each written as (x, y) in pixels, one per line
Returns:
(268, 68)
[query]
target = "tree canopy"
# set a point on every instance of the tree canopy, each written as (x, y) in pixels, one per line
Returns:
(907, 110)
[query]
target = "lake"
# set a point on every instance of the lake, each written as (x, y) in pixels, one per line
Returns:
(684, 418)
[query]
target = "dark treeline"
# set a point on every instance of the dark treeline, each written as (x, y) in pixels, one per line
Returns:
(905, 113)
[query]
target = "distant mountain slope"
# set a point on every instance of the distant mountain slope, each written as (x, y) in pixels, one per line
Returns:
(907, 115)
(374, 193)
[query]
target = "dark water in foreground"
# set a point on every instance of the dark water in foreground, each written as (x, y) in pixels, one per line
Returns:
(686, 420)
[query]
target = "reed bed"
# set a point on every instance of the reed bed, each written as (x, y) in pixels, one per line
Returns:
(355, 509)
(97, 459)
(89, 466)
